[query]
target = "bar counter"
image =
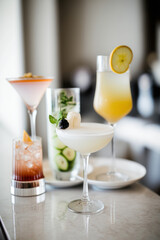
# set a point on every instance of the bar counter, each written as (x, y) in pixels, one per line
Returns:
(130, 213)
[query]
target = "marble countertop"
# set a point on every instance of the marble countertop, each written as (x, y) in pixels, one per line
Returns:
(129, 213)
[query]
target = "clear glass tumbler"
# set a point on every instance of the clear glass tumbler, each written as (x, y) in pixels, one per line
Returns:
(27, 170)
(64, 161)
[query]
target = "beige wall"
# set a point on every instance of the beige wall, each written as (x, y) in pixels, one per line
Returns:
(12, 109)
(92, 27)
(28, 42)
(87, 28)
(42, 50)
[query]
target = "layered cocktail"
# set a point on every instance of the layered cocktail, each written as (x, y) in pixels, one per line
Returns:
(113, 98)
(27, 160)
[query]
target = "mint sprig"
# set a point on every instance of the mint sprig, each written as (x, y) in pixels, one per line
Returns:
(65, 104)
(53, 120)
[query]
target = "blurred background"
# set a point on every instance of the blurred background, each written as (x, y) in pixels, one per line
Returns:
(62, 38)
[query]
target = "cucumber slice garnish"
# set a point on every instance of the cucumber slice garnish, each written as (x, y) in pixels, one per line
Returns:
(58, 144)
(61, 162)
(56, 152)
(69, 154)
(71, 165)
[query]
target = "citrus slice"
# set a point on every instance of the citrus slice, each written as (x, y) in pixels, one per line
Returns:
(26, 137)
(120, 58)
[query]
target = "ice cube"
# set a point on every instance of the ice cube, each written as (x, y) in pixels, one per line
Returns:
(37, 155)
(32, 148)
(29, 164)
(25, 146)
(26, 157)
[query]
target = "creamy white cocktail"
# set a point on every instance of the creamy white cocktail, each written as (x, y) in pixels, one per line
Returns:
(86, 138)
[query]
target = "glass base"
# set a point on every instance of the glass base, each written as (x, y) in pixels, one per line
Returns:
(66, 176)
(112, 177)
(86, 207)
(28, 188)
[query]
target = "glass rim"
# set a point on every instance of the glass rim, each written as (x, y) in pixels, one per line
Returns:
(103, 65)
(110, 130)
(9, 79)
(100, 55)
(37, 138)
(68, 88)
(49, 89)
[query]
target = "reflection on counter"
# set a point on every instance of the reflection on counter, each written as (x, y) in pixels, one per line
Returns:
(34, 207)
(112, 211)
(139, 140)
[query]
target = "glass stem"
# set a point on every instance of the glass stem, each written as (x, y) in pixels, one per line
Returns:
(32, 116)
(85, 196)
(112, 170)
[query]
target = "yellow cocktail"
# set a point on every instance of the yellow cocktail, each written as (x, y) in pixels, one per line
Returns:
(112, 98)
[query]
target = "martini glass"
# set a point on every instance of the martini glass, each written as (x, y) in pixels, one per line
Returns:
(88, 138)
(31, 90)
(112, 101)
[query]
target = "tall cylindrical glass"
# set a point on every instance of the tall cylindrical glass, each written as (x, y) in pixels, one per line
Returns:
(64, 161)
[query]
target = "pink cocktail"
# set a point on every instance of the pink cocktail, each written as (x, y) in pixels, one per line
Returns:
(31, 89)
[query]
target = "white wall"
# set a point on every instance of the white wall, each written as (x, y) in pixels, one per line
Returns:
(12, 109)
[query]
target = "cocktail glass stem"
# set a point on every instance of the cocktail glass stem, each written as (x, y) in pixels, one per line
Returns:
(112, 170)
(85, 196)
(113, 174)
(85, 205)
(32, 116)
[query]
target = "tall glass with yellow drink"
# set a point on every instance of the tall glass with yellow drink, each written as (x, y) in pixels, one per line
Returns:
(112, 101)
(112, 96)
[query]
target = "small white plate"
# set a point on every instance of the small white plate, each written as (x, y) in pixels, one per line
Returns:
(50, 179)
(133, 170)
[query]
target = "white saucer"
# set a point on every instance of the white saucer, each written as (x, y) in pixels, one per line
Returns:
(50, 179)
(133, 170)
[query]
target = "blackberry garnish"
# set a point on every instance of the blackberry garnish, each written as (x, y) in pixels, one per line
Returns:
(63, 124)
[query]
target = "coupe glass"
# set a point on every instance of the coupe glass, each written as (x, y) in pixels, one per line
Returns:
(88, 138)
(31, 90)
(112, 101)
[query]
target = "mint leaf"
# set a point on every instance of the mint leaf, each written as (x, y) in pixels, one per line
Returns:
(52, 119)
(66, 104)
(60, 116)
